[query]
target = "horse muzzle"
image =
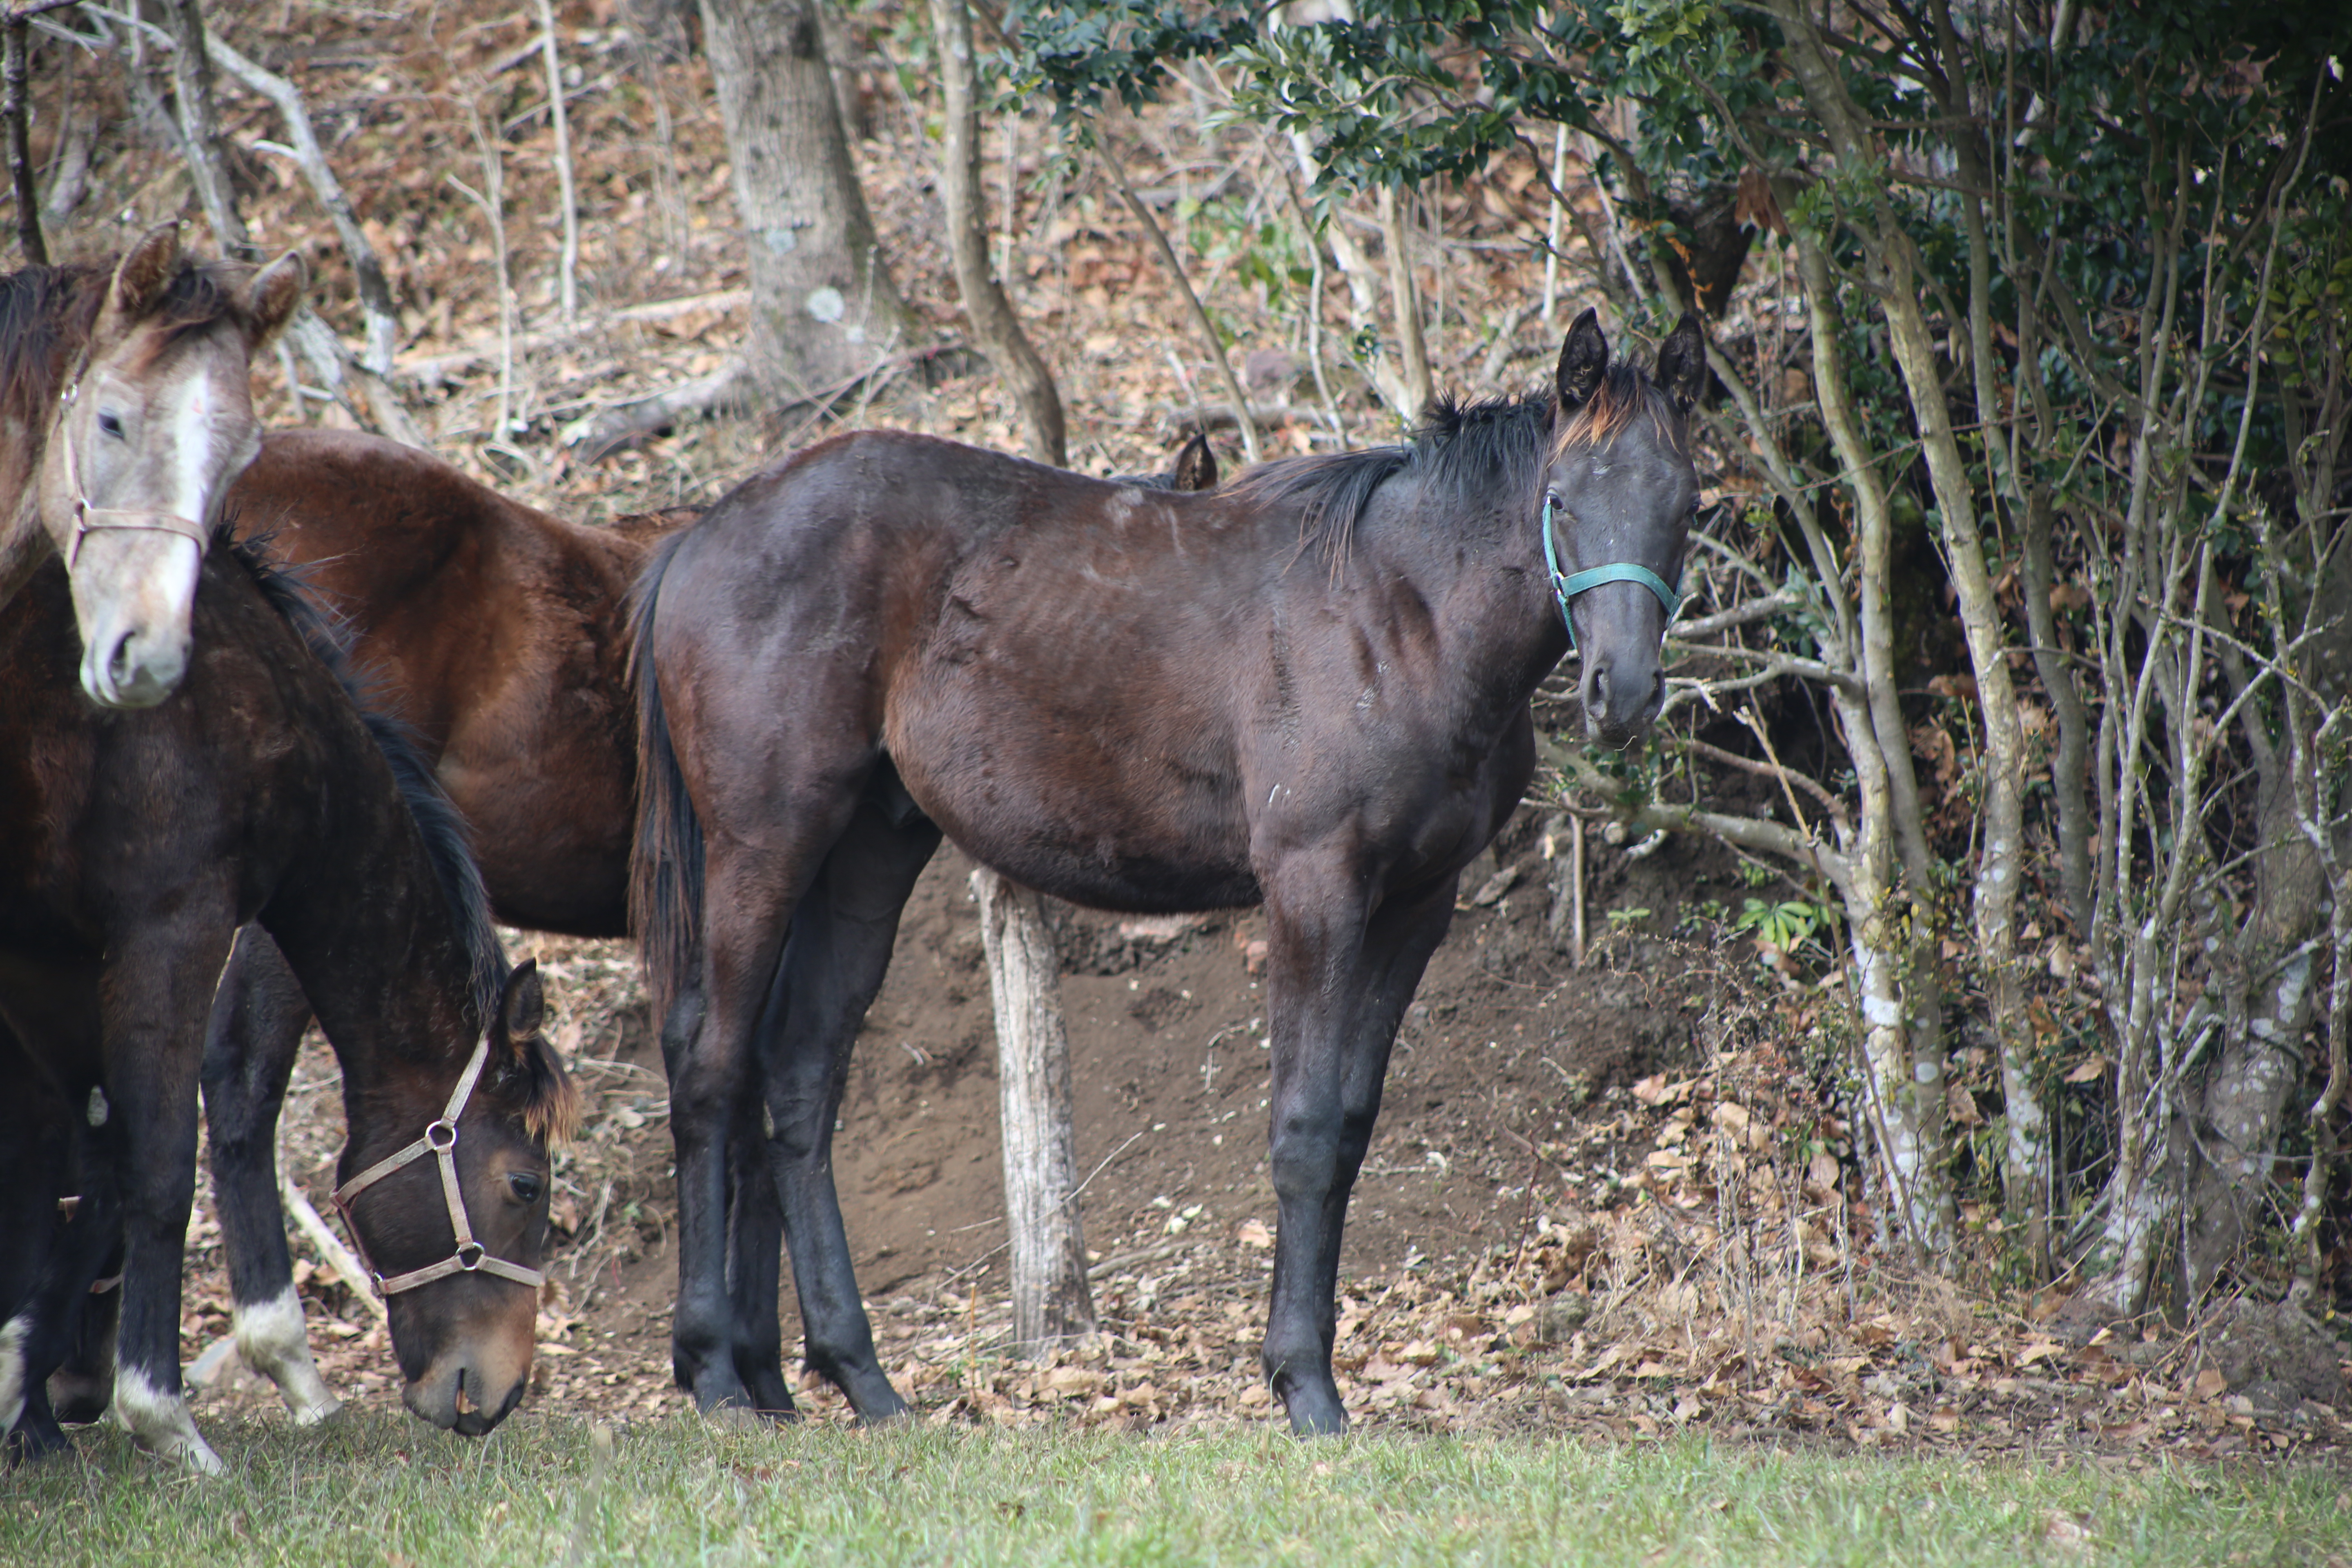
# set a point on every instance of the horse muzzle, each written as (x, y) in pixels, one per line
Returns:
(135, 615)
(457, 1394)
(1621, 698)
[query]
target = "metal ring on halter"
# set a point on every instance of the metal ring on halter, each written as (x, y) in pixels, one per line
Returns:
(1564, 589)
(469, 1255)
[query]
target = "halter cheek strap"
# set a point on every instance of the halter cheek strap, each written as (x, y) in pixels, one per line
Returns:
(1564, 589)
(440, 1140)
(128, 520)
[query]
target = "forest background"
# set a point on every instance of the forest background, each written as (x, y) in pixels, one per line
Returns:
(2020, 589)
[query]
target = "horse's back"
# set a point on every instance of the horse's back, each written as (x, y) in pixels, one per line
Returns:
(1054, 663)
(496, 631)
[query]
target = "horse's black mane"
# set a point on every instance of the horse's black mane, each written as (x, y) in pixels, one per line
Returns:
(1461, 452)
(448, 843)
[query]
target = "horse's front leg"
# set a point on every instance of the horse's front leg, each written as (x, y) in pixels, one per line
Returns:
(1337, 982)
(258, 1015)
(154, 999)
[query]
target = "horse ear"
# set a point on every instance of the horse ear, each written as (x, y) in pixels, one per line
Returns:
(1682, 363)
(145, 267)
(1583, 360)
(522, 1005)
(1196, 466)
(271, 300)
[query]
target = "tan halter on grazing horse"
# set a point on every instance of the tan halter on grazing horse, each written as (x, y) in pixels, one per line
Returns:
(440, 1140)
(125, 412)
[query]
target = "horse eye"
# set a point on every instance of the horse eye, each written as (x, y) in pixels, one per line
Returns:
(110, 424)
(526, 1187)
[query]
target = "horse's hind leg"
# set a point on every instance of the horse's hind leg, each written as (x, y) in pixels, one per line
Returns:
(707, 1044)
(755, 1233)
(251, 1043)
(833, 964)
(1337, 991)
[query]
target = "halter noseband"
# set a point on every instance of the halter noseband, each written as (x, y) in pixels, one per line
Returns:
(145, 520)
(440, 1140)
(1569, 587)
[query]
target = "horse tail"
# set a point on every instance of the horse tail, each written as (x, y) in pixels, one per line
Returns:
(666, 859)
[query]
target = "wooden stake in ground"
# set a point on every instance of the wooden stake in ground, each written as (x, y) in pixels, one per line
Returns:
(1051, 1302)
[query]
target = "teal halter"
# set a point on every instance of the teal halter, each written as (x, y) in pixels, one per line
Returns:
(1567, 588)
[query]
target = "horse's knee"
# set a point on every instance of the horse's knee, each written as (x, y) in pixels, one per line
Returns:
(1305, 1153)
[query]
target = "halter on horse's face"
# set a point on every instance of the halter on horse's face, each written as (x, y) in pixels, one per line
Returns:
(156, 420)
(1618, 496)
(457, 1257)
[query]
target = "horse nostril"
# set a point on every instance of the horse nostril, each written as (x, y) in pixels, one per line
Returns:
(1600, 689)
(118, 663)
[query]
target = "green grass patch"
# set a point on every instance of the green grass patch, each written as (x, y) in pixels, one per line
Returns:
(383, 1489)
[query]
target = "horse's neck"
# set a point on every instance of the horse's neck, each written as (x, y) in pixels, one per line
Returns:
(1488, 594)
(388, 973)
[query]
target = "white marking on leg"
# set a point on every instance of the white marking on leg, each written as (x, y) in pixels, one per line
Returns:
(12, 1369)
(272, 1338)
(159, 1421)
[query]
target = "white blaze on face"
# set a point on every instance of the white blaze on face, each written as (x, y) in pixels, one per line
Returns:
(271, 1339)
(134, 588)
(159, 1422)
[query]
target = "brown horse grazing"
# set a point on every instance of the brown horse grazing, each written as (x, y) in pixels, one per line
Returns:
(496, 631)
(1308, 688)
(125, 409)
(132, 849)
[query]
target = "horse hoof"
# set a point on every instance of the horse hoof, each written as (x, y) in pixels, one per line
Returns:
(313, 1415)
(1319, 1414)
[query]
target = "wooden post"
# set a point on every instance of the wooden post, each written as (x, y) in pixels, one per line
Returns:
(1051, 1302)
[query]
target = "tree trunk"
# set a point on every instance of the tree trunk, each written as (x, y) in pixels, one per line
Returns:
(825, 312)
(993, 325)
(1411, 347)
(191, 81)
(1051, 1302)
(1895, 957)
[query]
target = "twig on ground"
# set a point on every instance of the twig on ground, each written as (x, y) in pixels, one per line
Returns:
(1209, 339)
(330, 1248)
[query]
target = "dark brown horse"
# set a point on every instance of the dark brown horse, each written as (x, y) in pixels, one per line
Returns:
(496, 631)
(125, 409)
(1308, 688)
(132, 849)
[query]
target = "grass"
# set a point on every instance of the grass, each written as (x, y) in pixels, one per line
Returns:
(380, 1490)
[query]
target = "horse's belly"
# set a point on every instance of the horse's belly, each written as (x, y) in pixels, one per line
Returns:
(1136, 839)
